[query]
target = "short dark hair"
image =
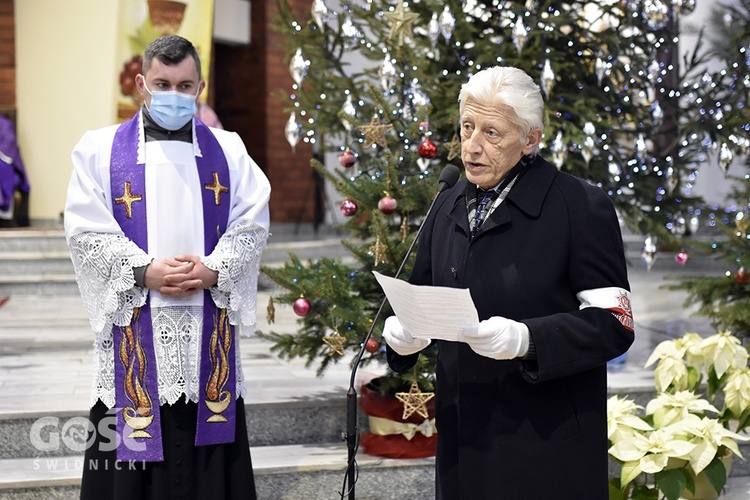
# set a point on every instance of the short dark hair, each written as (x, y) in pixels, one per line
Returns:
(170, 49)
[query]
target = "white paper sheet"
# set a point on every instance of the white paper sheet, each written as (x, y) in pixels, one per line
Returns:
(430, 312)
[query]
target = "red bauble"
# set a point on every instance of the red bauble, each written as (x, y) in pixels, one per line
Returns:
(427, 148)
(348, 208)
(372, 345)
(741, 276)
(387, 205)
(347, 159)
(682, 258)
(301, 306)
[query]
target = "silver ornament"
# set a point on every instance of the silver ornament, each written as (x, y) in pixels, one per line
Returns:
(679, 225)
(728, 19)
(657, 115)
(655, 13)
(649, 251)
(349, 111)
(350, 33)
(683, 7)
(446, 22)
(319, 13)
(694, 224)
(433, 30)
(548, 78)
(725, 157)
(640, 147)
(293, 130)
(387, 73)
(600, 67)
(559, 150)
(298, 67)
(519, 35)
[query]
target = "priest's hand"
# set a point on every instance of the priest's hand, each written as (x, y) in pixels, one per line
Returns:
(498, 338)
(400, 340)
(182, 276)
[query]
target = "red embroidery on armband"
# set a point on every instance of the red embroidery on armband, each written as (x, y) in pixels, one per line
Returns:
(623, 312)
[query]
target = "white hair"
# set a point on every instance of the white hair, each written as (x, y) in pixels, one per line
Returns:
(511, 87)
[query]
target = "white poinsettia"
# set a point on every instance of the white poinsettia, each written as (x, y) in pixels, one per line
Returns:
(622, 419)
(649, 453)
(725, 352)
(669, 409)
(693, 352)
(671, 371)
(707, 434)
(737, 392)
(668, 348)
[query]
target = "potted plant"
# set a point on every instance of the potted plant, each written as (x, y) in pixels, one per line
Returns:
(681, 444)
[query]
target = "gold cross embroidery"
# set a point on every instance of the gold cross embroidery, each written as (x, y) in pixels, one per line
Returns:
(127, 198)
(217, 188)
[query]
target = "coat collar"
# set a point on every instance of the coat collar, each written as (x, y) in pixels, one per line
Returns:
(527, 194)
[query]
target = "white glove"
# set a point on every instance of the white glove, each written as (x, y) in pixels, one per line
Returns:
(400, 340)
(498, 338)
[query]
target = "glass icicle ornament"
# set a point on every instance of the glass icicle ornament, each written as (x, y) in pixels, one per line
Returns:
(657, 115)
(588, 142)
(349, 112)
(547, 78)
(655, 13)
(447, 23)
(319, 13)
(519, 35)
(559, 150)
(725, 157)
(350, 33)
(293, 130)
(433, 30)
(640, 147)
(600, 67)
(649, 251)
(387, 73)
(298, 67)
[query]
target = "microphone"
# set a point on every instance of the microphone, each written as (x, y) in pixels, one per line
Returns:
(448, 178)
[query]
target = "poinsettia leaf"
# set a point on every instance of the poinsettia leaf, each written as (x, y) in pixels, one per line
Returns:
(694, 378)
(671, 482)
(716, 474)
(643, 492)
(615, 492)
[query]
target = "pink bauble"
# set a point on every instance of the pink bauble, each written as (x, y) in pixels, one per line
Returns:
(348, 207)
(387, 205)
(372, 345)
(347, 159)
(301, 306)
(681, 258)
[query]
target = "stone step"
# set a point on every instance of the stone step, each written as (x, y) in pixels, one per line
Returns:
(289, 472)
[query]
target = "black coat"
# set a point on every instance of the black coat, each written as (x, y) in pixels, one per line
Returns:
(526, 430)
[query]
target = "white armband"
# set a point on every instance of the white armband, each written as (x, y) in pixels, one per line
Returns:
(613, 299)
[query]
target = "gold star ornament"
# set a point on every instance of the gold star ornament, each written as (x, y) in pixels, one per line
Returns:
(375, 132)
(402, 21)
(454, 148)
(414, 401)
(335, 343)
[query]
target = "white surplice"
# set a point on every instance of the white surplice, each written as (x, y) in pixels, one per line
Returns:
(104, 258)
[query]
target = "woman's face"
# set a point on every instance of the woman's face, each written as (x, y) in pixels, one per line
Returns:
(491, 143)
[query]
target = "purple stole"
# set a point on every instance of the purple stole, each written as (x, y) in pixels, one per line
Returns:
(136, 383)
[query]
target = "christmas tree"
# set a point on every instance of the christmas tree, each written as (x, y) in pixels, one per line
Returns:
(378, 83)
(725, 299)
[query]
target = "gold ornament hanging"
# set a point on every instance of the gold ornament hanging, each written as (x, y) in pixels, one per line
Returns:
(270, 311)
(378, 250)
(402, 20)
(335, 343)
(375, 133)
(404, 229)
(414, 401)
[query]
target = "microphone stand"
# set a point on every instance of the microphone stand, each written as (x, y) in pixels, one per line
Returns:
(352, 432)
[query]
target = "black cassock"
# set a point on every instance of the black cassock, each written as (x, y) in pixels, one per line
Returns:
(527, 430)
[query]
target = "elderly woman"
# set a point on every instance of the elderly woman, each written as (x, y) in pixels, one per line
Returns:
(521, 399)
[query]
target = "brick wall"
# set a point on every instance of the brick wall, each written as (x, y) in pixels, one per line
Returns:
(247, 80)
(7, 59)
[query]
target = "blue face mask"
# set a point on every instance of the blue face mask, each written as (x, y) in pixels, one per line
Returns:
(171, 109)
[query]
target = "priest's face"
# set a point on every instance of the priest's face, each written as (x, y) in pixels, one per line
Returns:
(182, 77)
(491, 142)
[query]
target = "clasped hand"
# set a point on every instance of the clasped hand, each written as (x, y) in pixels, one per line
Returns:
(182, 276)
